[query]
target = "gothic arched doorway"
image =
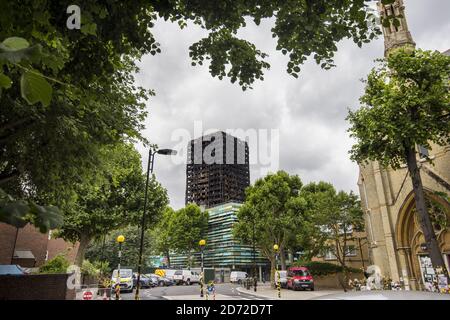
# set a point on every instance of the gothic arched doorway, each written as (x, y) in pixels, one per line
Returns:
(410, 239)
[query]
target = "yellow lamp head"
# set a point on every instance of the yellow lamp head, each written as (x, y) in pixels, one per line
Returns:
(120, 239)
(202, 243)
(275, 247)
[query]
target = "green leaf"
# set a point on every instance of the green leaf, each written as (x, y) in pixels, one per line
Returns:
(32, 54)
(5, 81)
(14, 213)
(46, 217)
(89, 28)
(15, 43)
(35, 88)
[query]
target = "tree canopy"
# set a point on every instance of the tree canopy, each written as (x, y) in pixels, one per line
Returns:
(406, 103)
(111, 199)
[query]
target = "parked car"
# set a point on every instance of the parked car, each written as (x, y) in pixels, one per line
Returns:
(186, 277)
(238, 276)
(283, 278)
(146, 282)
(126, 280)
(161, 281)
(299, 278)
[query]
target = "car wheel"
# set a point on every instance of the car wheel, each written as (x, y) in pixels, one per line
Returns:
(239, 282)
(161, 284)
(312, 288)
(188, 282)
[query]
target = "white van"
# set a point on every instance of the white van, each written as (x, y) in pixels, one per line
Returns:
(186, 277)
(168, 273)
(126, 279)
(238, 276)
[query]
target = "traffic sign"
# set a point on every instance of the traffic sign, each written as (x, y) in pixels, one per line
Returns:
(87, 295)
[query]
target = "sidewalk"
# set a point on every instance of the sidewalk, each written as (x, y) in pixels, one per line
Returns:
(265, 291)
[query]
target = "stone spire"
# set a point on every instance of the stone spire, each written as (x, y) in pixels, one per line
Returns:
(395, 35)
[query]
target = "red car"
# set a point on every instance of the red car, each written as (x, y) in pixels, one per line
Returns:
(299, 278)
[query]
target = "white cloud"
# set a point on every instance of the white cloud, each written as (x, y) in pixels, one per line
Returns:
(309, 112)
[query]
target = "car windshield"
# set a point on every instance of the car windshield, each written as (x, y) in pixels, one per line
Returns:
(123, 273)
(300, 273)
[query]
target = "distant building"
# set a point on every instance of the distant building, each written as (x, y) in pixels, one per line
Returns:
(357, 253)
(217, 170)
(222, 250)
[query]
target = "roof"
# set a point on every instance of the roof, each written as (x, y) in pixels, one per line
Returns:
(447, 52)
(10, 269)
(23, 254)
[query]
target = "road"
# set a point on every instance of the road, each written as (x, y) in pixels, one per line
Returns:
(224, 291)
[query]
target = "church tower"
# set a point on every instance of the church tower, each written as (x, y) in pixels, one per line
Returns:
(397, 34)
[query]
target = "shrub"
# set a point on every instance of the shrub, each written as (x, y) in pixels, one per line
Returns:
(89, 269)
(58, 264)
(324, 268)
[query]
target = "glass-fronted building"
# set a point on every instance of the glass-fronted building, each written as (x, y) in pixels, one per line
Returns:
(222, 250)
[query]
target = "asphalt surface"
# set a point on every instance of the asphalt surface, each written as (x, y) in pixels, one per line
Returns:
(192, 292)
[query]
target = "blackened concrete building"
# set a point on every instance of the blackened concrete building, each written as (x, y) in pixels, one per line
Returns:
(217, 170)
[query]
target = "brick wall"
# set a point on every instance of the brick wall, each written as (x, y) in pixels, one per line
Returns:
(57, 246)
(7, 236)
(29, 238)
(35, 287)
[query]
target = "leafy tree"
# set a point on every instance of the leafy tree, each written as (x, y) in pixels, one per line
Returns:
(272, 207)
(163, 234)
(106, 249)
(337, 216)
(406, 103)
(111, 199)
(188, 226)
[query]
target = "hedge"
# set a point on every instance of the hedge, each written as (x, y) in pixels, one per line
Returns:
(324, 268)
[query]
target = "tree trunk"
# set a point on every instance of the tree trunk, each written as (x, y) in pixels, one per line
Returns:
(168, 259)
(282, 259)
(422, 213)
(272, 272)
(83, 244)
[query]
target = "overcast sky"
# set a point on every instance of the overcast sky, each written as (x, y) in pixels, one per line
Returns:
(309, 112)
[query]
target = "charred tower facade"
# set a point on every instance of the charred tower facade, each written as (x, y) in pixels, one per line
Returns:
(217, 170)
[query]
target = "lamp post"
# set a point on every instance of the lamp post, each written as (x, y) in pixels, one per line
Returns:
(277, 272)
(151, 158)
(120, 239)
(202, 244)
(255, 280)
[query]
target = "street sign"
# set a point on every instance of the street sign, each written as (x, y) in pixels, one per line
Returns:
(87, 295)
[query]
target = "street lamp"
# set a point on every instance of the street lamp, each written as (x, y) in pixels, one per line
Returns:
(202, 244)
(151, 159)
(277, 272)
(255, 280)
(120, 239)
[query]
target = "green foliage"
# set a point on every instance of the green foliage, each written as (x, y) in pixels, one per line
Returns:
(106, 250)
(332, 217)
(324, 268)
(188, 226)
(89, 269)
(273, 208)
(20, 212)
(112, 198)
(406, 102)
(58, 264)
(163, 231)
